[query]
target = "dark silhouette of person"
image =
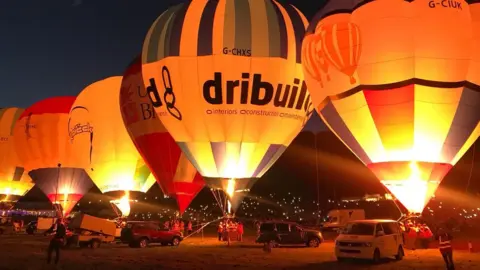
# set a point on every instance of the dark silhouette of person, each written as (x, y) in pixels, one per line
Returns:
(59, 232)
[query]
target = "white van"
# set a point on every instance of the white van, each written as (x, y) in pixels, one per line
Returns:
(338, 218)
(370, 239)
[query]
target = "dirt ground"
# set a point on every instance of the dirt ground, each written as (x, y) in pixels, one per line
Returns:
(28, 252)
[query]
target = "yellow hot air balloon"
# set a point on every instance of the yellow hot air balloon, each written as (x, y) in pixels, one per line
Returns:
(404, 86)
(42, 144)
(14, 180)
(226, 81)
(100, 139)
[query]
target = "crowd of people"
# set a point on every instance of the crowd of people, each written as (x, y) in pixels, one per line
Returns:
(16, 224)
(179, 225)
(417, 234)
(230, 229)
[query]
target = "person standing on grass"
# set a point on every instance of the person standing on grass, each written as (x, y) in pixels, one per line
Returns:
(220, 231)
(240, 231)
(59, 232)
(189, 227)
(445, 247)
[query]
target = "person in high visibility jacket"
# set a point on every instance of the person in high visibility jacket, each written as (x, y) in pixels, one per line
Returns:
(240, 231)
(220, 231)
(445, 247)
(189, 227)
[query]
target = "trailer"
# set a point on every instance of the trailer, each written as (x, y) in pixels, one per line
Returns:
(90, 231)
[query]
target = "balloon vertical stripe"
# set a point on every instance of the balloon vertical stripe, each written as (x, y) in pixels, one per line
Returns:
(190, 28)
(298, 29)
(283, 40)
(243, 25)
(205, 30)
(272, 154)
(174, 39)
(155, 47)
(465, 121)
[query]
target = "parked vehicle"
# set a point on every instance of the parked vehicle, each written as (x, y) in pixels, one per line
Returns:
(370, 239)
(277, 233)
(90, 231)
(142, 233)
(338, 218)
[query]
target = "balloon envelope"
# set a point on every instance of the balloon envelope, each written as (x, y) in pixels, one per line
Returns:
(174, 172)
(43, 145)
(14, 180)
(398, 83)
(101, 140)
(226, 81)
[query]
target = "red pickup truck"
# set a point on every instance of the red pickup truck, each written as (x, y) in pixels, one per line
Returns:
(142, 233)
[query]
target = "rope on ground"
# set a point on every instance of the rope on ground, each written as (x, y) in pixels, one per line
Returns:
(201, 228)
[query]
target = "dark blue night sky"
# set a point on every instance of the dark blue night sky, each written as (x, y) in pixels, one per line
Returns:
(58, 47)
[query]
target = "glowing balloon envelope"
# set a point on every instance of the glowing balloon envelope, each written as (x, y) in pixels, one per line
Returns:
(175, 174)
(402, 86)
(226, 81)
(43, 146)
(14, 180)
(101, 141)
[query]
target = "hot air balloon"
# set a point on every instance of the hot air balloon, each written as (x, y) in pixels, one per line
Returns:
(43, 146)
(14, 180)
(226, 80)
(175, 174)
(101, 141)
(404, 93)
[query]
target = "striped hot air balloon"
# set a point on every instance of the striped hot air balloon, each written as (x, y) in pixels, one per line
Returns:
(43, 146)
(226, 81)
(14, 180)
(100, 139)
(175, 174)
(404, 95)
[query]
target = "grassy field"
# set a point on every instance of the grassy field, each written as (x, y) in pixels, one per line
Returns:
(29, 252)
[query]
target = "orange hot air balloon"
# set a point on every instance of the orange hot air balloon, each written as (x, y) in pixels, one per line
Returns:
(405, 92)
(43, 146)
(175, 174)
(101, 141)
(14, 180)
